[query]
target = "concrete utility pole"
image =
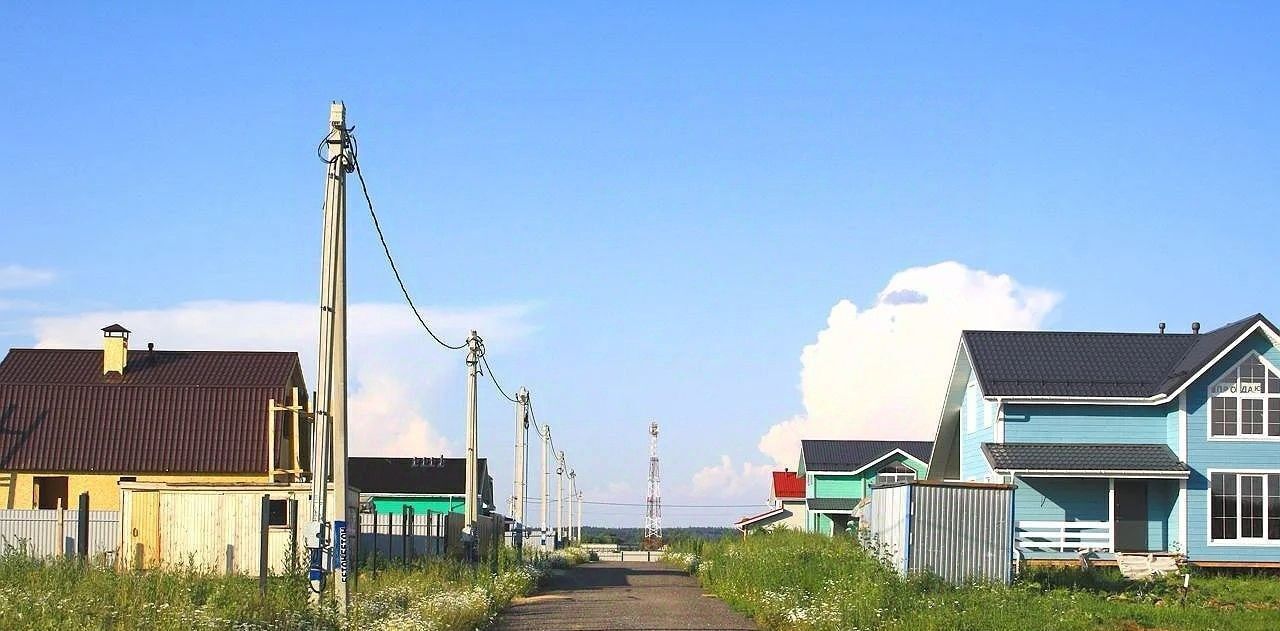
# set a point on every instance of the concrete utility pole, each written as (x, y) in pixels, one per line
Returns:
(326, 534)
(559, 496)
(546, 479)
(474, 350)
(573, 498)
(518, 499)
(579, 516)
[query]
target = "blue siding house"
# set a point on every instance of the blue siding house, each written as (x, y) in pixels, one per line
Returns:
(1124, 442)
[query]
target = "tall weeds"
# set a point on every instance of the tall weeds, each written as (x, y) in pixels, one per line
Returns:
(797, 581)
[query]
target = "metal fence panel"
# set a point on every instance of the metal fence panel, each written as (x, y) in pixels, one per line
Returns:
(39, 531)
(888, 524)
(962, 533)
(382, 537)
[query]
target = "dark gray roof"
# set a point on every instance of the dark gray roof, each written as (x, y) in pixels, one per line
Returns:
(831, 503)
(416, 476)
(1082, 457)
(851, 455)
(1078, 364)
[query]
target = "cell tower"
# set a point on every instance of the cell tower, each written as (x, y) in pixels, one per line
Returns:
(653, 503)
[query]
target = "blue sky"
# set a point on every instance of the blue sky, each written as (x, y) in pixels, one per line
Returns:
(669, 199)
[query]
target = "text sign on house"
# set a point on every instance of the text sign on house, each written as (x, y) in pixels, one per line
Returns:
(1236, 388)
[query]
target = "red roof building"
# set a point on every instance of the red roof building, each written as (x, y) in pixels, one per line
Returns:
(82, 420)
(787, 486)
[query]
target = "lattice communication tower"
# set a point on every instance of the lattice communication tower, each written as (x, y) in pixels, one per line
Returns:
(653, 503)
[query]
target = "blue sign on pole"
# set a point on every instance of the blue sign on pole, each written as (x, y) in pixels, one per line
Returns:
(340, 550)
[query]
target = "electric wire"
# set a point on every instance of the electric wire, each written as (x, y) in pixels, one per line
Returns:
(664, 506)
(353, 155)
(386, 249)
(485, 358)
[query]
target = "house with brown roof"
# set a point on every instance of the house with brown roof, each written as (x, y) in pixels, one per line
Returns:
(76, 420)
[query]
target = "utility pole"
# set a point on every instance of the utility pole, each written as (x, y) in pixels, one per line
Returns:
(559, 495)
(522, 454)
(326, 534)
(474, 351)
(546, 481)
(579, 517)
(573, 499)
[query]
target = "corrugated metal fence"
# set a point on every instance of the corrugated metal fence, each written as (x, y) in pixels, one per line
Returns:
(958, 531)
(401, 536)
(47, 533)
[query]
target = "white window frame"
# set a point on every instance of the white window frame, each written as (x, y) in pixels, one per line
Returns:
(893, 478)
(1265, 398)
(1248, 542)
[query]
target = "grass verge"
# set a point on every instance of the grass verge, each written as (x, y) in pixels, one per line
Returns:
(432, 594)
(804, 582)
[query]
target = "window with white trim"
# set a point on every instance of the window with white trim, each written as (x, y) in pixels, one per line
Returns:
(894, 478)
(1244, 507)
(1245, 403)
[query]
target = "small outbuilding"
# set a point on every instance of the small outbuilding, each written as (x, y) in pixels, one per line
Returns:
(960, 531)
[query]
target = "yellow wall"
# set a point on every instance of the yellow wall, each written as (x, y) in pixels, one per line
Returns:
(17, 489)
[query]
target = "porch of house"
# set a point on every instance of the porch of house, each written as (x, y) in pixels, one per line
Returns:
(831, 516)
(1063, 518)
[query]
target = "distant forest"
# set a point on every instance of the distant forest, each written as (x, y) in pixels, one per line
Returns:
(633, 536)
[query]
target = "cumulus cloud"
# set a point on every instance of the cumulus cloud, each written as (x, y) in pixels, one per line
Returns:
(880, 372)
(393, 372)
(727, 480)
(20, 277)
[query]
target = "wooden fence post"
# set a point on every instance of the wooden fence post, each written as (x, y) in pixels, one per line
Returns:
(404, 534)
(264, 545)
(413, 531)
(293, 533)
(61, 532)
(82, 528)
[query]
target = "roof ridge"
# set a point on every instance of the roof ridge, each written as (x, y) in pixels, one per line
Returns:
(1081, 333)
(156, 350)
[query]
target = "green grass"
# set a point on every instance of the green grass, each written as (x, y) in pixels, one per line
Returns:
(430, 594)
(797, 581)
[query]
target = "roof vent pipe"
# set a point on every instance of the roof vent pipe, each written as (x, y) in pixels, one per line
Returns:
(1195, 328)
(1161, 328)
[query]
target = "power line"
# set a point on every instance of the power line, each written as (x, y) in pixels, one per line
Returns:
(387, 250)
(484, 357)
(670, 505)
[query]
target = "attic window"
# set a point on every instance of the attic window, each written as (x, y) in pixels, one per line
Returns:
(1245, 403)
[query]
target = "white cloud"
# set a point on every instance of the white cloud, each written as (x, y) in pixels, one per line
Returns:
(725, 480)
(19, 277)
(394, 371)
(880, 372)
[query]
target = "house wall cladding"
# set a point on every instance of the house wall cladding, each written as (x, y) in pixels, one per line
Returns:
(1091, 424)
(1223, 455)
(37, 531)
(974, 412)
(959, 532)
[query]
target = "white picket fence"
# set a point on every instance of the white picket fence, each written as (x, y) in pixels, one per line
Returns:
(1064, 536)
(46, 533)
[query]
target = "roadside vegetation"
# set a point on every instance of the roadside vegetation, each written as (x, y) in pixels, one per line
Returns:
(429, 594)
(804, 582)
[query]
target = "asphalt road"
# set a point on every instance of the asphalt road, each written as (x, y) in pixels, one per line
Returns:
(622, 595)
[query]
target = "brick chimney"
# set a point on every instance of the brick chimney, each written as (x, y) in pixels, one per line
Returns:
(115, 349)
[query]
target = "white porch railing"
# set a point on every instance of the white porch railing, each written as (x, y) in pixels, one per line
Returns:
(1063, 536)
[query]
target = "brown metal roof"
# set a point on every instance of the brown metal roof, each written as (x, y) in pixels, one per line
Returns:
(172, 411)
